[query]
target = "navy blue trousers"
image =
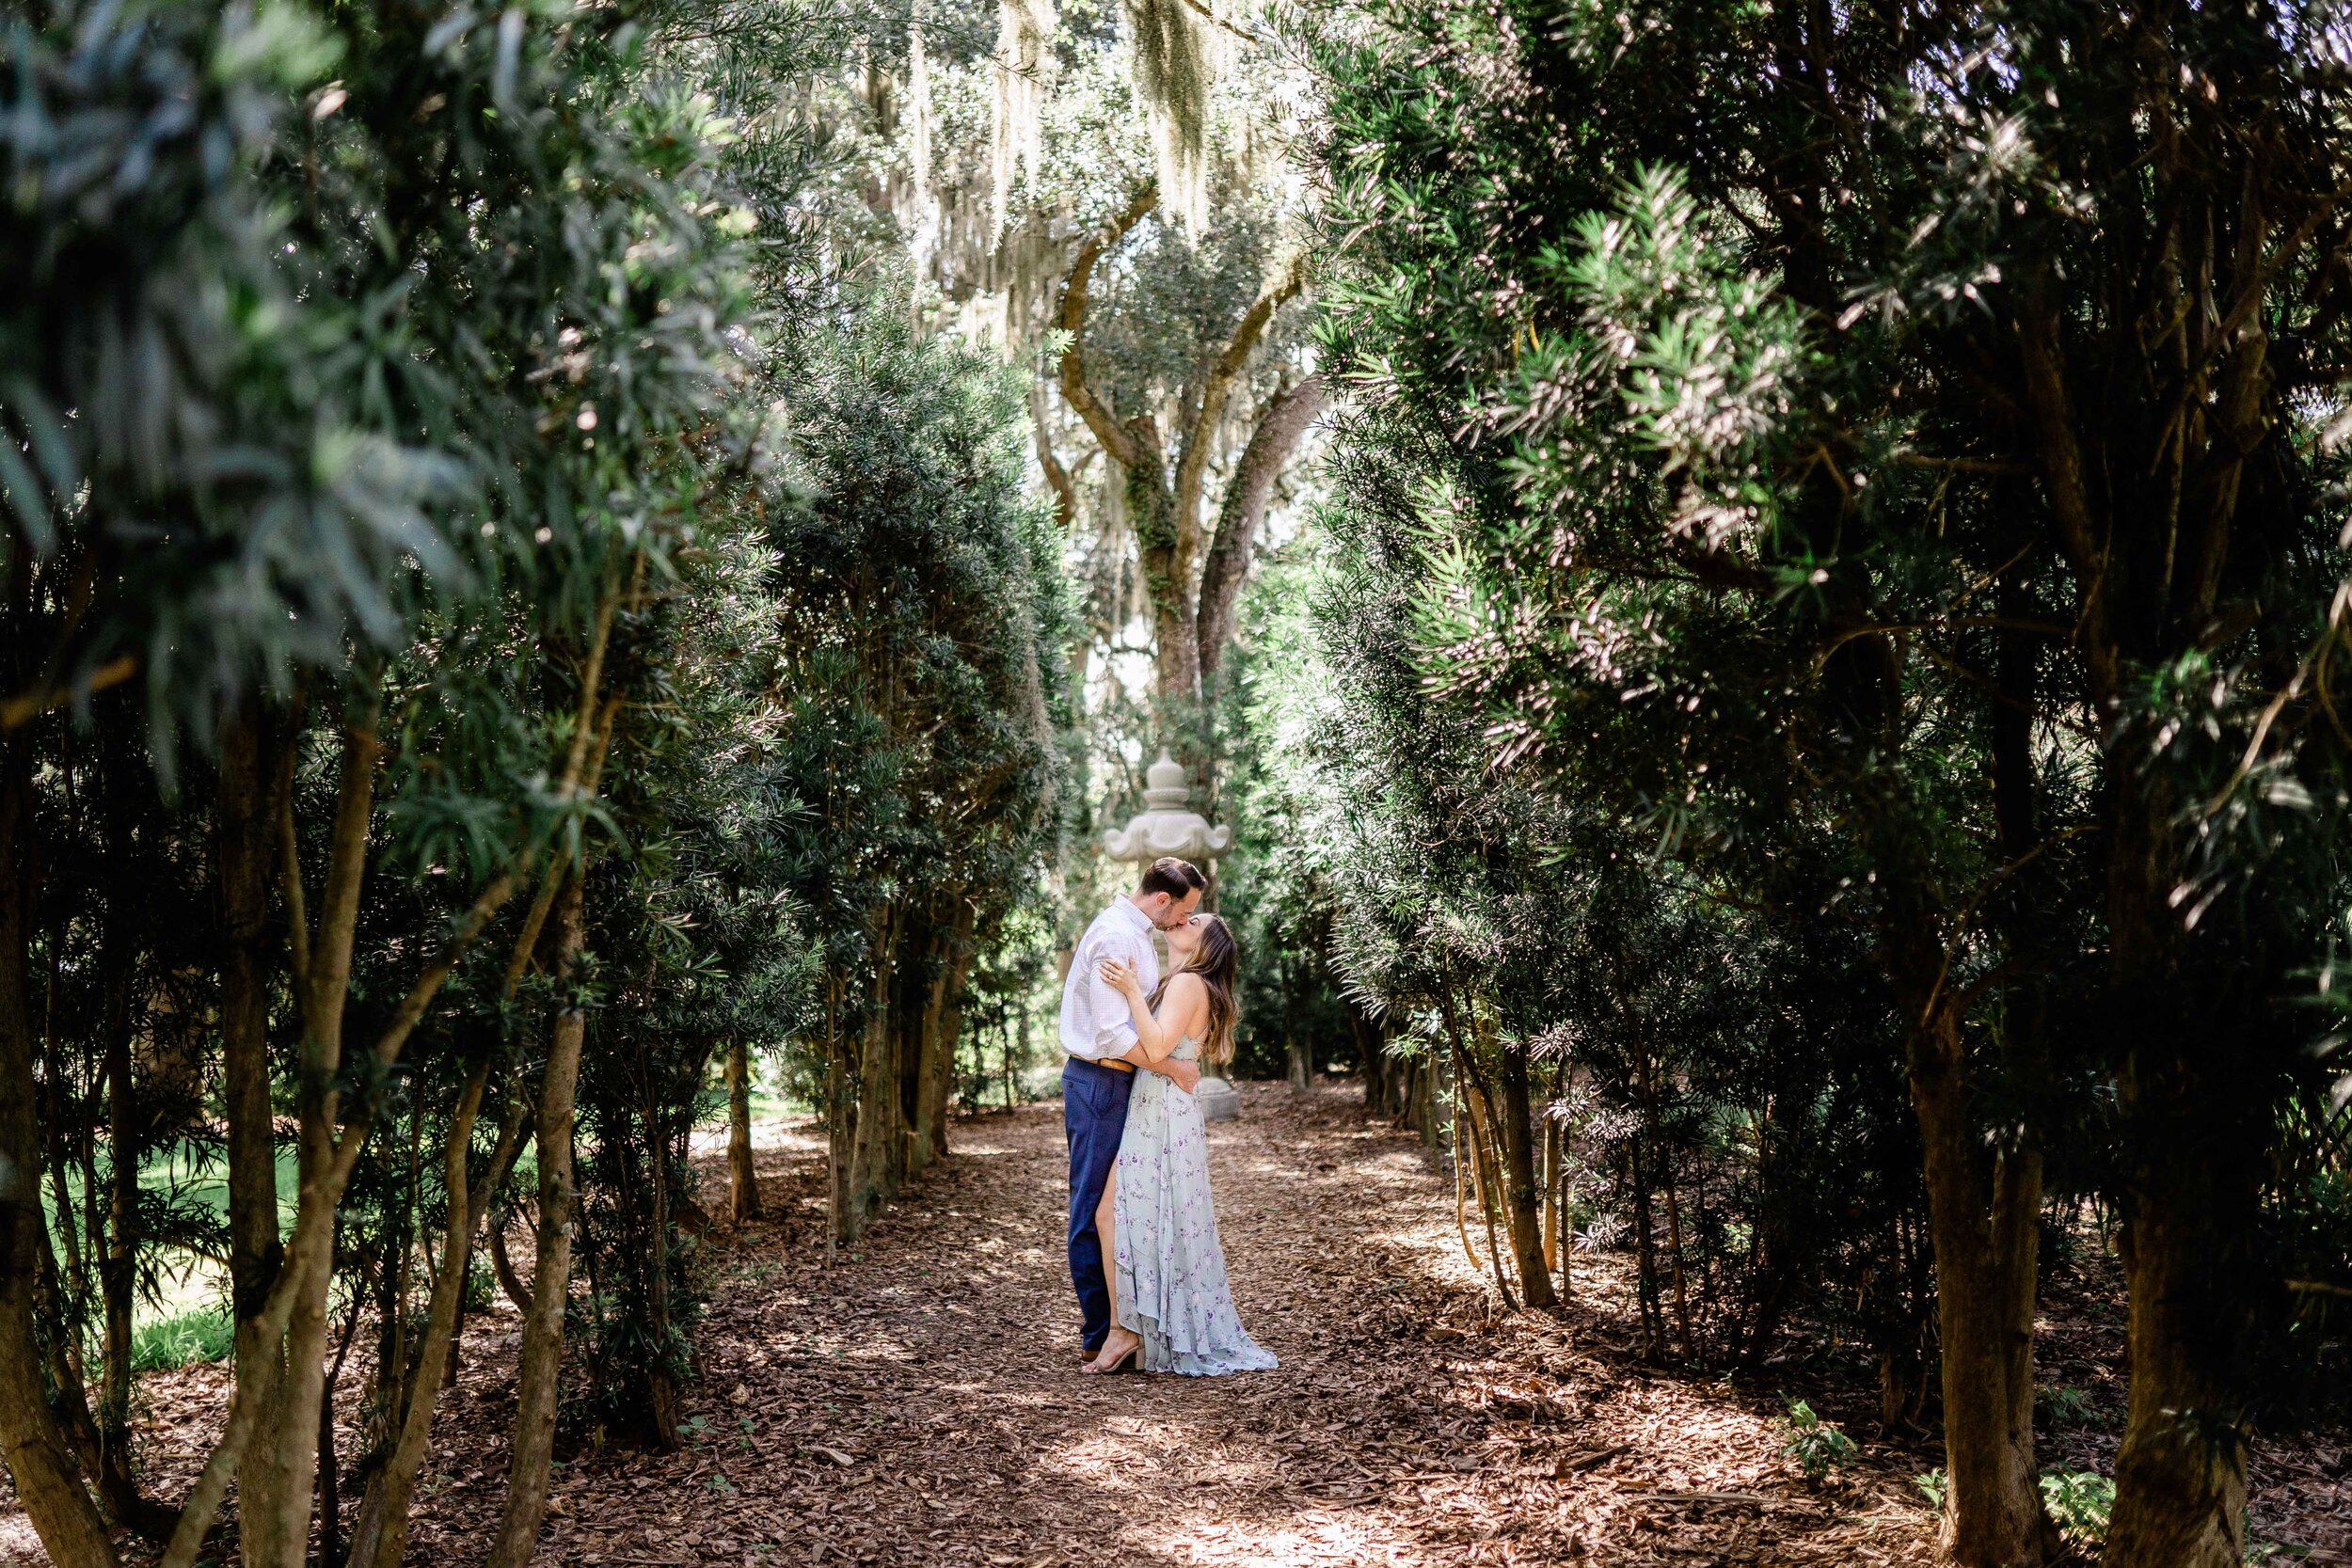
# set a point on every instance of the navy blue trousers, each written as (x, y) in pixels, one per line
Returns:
(1095, 1114)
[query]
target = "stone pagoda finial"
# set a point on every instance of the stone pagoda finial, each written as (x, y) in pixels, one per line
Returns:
(1166, 825)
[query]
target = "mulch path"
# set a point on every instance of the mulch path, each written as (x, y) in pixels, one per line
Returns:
(918, 1400)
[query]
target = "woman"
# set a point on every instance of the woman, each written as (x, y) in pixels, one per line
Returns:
(1171, 1309)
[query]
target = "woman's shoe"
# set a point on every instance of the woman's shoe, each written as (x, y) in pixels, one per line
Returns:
(1130, 1360)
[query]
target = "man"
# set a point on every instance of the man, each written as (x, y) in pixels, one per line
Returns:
(1098, 1034)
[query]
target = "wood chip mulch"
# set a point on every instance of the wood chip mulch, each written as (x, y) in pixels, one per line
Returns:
(918, 1401)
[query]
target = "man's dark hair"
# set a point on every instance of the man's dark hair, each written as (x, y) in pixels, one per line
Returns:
(1173, 877)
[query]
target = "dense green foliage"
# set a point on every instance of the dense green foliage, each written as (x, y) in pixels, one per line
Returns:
(562, 557)
(440, 460)
(1863, 480)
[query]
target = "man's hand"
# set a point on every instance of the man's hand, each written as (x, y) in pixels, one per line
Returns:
(1185, 1075)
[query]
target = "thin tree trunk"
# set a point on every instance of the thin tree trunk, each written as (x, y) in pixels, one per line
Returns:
(1645, 1247)
(254, 770)
(873, 1124)
(1488, 1169)
(945, 1028)
(1461, 1176)
(919, 1045)
(1675, 1258)
(743, 1177)
(379, 1536)
(1520, 1188)
(1551, 1194)
(278, 1535)
(48, 1483)
(841, 1110)
(330, 1472)
(117, 1267)
(663, 1390)
(534, 1444)
(1559, 1196)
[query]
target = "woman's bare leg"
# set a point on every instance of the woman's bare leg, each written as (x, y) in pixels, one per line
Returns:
(1120, 1340)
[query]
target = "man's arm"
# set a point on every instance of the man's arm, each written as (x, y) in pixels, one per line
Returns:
(1185, 1075)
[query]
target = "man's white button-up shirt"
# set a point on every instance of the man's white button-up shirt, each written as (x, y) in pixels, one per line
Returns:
(1096, 1026)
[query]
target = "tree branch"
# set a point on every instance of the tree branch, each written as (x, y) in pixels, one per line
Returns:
(1072, 318)
(1279, 427)
(1194, 455)
(1057, 477)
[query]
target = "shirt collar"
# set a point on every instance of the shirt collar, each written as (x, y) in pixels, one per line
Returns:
(1141, 921)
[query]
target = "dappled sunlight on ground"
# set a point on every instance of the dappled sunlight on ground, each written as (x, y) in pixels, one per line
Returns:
(918, 1401)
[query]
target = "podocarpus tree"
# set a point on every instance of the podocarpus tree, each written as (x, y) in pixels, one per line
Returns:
(1675, 1051)
(1962, 395)
(249, 461)
(915, 656)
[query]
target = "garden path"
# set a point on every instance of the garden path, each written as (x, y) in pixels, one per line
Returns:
(919, 1401)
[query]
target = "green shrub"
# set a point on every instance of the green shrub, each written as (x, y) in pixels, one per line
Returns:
(2063, 1409)
(183, 1340)
(1817, 1447)
(2079, 1502)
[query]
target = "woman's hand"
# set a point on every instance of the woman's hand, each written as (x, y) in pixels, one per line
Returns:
(1120, 976)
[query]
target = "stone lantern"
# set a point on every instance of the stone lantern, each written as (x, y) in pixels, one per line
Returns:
(1167, 825)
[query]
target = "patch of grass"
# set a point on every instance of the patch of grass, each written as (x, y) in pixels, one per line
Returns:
(1817, 1447)
(183, 1340)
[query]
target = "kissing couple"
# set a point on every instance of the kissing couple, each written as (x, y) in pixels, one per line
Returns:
(1144, 1252)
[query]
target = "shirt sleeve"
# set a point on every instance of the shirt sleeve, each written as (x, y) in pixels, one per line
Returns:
(1114, 1026)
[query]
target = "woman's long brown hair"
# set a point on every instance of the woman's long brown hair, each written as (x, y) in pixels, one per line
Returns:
(1216, 960)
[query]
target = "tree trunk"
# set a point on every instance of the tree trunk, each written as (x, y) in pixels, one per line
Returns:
(1984, 1213)
(1645, 1245)
(874, 1124)
(742, 1178)
(1248, 491)
(662, 1388)
(841, 1115)
(379, 1537)
(921, 998)
(1516, 1117)
(1301, 1068)
(1372, 1063)
(2191, 1094)
(254, 762)
(1488, 1186)
(48, 1482)
(944, 1029)
(117, 1269)
(534, 1444)
(1552, 1177)
(278, 1535)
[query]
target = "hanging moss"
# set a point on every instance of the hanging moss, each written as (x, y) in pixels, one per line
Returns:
(1175, 67)
(1025, 32)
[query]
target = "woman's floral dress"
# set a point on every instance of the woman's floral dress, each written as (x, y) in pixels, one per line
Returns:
(1172, 1289)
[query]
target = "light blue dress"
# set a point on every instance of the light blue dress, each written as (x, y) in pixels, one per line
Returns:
(1172, 1289)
